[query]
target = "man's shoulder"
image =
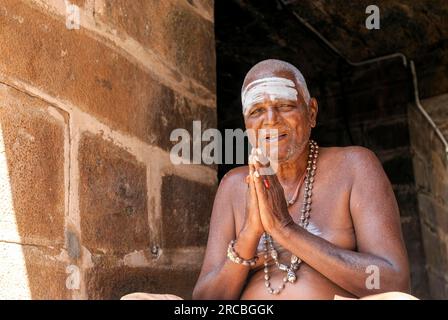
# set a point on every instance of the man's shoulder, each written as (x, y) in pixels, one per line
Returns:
(233, 184)
(235, 176)
(352, 155)
(234, 179)
(355, 161)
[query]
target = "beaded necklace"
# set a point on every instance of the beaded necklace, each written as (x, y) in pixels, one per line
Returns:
(304, 221)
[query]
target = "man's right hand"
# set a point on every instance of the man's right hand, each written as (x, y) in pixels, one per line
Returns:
(252, 223)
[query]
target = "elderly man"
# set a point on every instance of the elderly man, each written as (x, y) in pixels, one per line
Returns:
(315, 228)
(346, 227)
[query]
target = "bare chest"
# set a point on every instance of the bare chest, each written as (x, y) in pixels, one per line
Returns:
(330, 208)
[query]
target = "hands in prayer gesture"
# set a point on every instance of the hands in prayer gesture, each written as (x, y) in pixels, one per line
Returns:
(266, 207)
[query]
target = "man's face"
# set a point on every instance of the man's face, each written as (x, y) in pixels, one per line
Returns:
(277, 104)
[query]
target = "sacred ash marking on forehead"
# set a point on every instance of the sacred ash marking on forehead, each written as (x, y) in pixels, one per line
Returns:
(274, 87)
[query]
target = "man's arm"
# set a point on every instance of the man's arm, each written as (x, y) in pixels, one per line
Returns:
(377, 226)
(220, 278)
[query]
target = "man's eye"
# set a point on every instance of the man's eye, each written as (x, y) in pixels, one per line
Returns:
(255, 112)
(286, 107)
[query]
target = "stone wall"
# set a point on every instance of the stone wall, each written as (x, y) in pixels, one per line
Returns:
(87, 189)
(430, 158)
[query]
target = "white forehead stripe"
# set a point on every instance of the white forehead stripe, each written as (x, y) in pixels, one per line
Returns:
(274, 87)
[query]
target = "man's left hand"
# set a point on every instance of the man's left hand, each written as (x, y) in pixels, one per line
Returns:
(271, 197)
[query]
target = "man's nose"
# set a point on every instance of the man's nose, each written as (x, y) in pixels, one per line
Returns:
(271, 116)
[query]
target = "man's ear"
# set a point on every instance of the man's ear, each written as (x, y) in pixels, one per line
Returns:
(313, 108)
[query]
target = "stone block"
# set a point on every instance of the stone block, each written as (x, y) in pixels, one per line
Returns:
(433, 212)
(419, 131)
(113, 198)
(180, 36)
(435, 249)
(438, 286)
(113, 283)
(32, 175)
(422, 172)
(439, 176)
(186, 211)
(426, 209)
